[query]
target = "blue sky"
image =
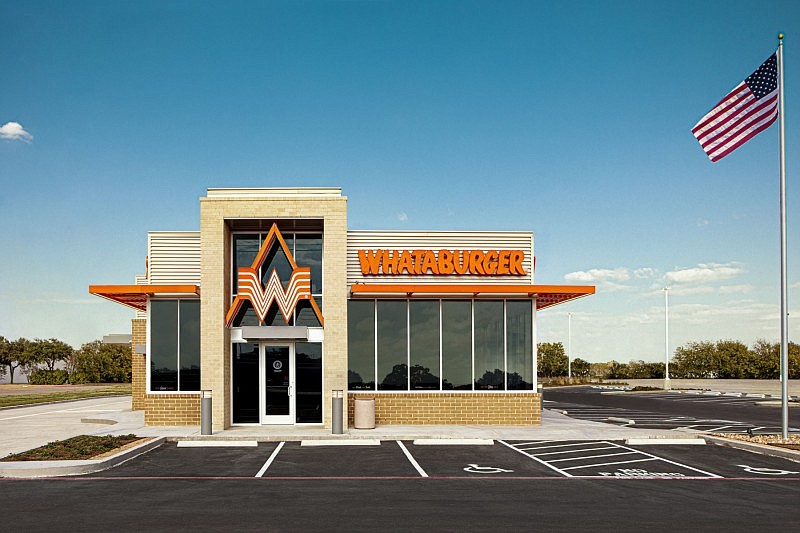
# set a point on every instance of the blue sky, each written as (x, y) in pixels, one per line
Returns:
(568, 119)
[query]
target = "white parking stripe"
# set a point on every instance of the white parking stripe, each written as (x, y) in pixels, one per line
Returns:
(589, 457)
(615, 463)
(573, 451)
(561, 445)
(269, 461)
(411, 459)
(545, 463)
(671, 462)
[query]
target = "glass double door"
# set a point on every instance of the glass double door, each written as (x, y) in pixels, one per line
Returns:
(277, 383)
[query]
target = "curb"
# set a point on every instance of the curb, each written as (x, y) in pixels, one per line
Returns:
(763, 449)
(34, 469)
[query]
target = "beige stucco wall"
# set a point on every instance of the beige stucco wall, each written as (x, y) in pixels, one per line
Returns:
(215, 280)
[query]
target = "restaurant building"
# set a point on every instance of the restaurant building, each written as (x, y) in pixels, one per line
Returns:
(274, 306)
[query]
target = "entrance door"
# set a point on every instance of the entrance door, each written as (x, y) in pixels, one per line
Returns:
(277, 384)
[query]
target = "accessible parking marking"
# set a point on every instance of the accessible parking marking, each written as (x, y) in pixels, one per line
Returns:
(604, 459)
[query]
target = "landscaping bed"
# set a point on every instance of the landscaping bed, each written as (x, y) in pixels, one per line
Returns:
(77, 448)
(792, 443)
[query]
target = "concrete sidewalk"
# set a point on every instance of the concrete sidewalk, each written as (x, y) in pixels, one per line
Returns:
(24, 428)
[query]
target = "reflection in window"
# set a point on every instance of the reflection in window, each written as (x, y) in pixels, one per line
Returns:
(519, 343)
(308, 364)
(174, 345)
(163, 345)
(392, 345)
(424, 344)
(361, 344)
(482, 344)
(489, 374)
(457, 344)
(189, 331)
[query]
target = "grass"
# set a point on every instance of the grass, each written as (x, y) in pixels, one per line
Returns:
(89, 391)
(75, 448)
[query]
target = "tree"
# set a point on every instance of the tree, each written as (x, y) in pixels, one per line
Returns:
(14, 354)
(695, 360)
(617, 370)
(49, 352)
(552, 361)
(96, 362)
(5, 347)
(733, 360)
(581, 368)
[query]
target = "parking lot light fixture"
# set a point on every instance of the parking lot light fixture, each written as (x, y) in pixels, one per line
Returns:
(666, 338)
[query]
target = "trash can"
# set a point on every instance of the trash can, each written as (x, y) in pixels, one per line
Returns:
(364, 413)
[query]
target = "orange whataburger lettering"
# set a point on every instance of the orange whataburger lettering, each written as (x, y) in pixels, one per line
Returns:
(442, 262)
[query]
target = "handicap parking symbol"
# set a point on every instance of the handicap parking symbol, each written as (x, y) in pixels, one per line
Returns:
(766, 471)
(475, 469)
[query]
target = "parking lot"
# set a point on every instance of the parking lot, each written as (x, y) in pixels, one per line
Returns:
(437, 459)
(671, 410)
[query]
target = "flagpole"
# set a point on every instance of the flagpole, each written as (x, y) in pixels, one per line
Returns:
(784, 313)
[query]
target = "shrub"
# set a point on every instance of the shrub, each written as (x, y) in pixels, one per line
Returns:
(48, 377)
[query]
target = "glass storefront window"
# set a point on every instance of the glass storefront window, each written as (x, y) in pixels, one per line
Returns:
(440, 344)
(361, 344)
(308, 253)
(456, 345)
(519, 345)
(276, 260)
(392, 345)
(174, 345)
(489, 333)
(308, 378)
(163, 345)
(245, 249)
(245, 383)
(189, 357)
(424, 344)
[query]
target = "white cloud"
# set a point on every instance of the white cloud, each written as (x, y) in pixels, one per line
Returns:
(645, 273)
(402, 216)
(599, 275)
(705, 273)
(13, 131)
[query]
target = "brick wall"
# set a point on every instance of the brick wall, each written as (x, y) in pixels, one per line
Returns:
(506, 409)
(215, 276)
(172, 409)
(159, 409)
(138, 364)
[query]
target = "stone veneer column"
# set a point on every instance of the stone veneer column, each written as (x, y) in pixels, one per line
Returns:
(215, 276)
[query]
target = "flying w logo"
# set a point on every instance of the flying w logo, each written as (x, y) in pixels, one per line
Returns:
(262, 298)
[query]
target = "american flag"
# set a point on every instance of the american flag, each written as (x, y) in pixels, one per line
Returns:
(745, 112)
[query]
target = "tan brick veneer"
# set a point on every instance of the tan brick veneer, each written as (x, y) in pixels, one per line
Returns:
(138, 364)
(215, 280)
(506, 409)
(172, 409)
(159, 409)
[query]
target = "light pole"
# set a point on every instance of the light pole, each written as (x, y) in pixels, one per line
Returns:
(666, 338)
(569, 348)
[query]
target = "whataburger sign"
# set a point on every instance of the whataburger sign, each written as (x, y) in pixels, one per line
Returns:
(442, 262)
(262, 297)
